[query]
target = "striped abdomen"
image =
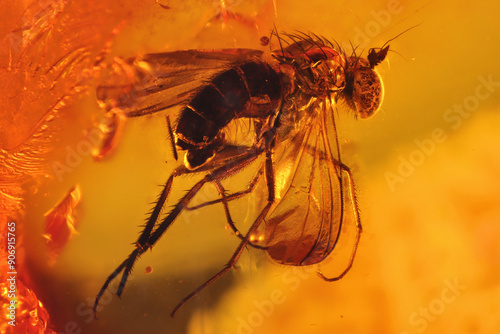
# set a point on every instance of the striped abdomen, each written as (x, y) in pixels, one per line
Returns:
(252, 89)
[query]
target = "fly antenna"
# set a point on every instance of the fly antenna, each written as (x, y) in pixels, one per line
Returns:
(401, 33)
(376, 57)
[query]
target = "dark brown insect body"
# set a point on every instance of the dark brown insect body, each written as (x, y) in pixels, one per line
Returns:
(252, 89)
(290, 103)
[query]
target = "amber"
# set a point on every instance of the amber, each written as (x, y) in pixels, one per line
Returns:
(426, 169)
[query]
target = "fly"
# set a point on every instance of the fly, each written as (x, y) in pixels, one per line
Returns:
(289, 100)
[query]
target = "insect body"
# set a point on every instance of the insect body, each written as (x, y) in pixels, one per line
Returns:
(252, 89)
(290, 102)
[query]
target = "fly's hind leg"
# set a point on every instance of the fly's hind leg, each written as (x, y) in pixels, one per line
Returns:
(145, 241)
(150, 234)
(359, 228)
(141, 244)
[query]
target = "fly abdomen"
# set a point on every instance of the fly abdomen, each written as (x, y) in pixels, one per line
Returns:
(252, 89)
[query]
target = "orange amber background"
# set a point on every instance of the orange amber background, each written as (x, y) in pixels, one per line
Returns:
(426, 167)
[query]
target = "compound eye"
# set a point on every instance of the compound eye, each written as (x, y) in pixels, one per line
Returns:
(368, 92)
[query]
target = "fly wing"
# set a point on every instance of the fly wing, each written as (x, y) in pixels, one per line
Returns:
(147, 84)
(306, 222)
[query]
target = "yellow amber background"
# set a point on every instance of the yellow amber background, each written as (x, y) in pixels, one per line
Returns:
(427, 179)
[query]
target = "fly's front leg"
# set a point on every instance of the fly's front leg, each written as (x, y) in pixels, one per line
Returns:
(270, 182)
(359, 228)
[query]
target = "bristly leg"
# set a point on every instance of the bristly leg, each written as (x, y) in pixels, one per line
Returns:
(141, 243)
(150, 235)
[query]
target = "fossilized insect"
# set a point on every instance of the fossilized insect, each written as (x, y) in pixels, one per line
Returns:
(289, 100)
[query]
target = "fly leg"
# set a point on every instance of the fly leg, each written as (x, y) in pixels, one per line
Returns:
(230, 221)
(141, 244)
(359, 228)
(226, 198)
(232, 196)
(269, 173)
(150, 235)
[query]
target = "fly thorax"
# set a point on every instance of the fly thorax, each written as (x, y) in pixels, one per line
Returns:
(328, 77)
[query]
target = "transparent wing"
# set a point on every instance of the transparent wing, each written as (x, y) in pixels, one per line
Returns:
(147, 84)
(305, 225)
